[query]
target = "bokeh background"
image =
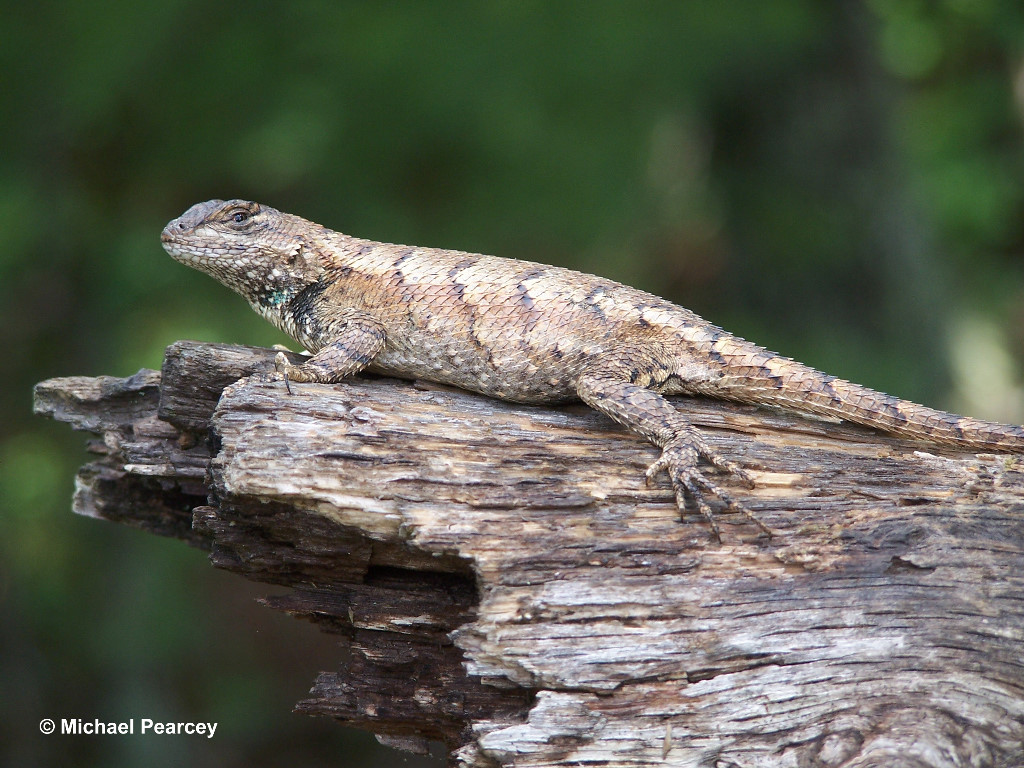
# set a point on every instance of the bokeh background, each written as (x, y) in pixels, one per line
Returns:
(840, 181)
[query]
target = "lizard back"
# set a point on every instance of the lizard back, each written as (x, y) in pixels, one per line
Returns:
(518, 330)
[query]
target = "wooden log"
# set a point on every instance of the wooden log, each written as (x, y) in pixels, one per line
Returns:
(509, 585)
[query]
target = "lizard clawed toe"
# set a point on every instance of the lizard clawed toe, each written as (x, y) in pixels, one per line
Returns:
(725, 465)
(679, 459)
(281, 366)
(278, 373)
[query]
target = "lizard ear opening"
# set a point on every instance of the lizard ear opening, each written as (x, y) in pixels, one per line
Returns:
(291, 253)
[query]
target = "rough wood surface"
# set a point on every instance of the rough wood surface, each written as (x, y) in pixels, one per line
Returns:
(508, 584)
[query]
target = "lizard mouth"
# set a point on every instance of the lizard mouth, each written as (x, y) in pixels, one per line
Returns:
(175, 241)
(172, 243)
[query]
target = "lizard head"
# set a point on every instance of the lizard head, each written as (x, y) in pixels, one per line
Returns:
(253, 249)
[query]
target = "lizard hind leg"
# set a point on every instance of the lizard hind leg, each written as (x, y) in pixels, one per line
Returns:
(617, 384)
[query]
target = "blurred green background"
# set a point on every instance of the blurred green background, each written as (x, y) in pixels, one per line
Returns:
(840, 181)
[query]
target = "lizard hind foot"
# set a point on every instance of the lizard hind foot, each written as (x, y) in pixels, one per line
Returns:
(679, 459)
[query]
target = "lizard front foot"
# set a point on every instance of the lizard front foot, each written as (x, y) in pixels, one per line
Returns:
(282, 371)
(679, 458)
(288, 371)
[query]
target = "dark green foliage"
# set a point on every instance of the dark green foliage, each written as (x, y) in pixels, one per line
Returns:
(840, 181)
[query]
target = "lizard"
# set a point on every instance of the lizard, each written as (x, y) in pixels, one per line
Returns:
(529, 333)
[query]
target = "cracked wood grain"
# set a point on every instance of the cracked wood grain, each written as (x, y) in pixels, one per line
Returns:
(509, 585)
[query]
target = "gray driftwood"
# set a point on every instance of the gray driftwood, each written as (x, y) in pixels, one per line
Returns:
(508, 585)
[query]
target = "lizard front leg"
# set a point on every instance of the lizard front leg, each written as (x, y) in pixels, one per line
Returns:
(357, 338)
(617, 383)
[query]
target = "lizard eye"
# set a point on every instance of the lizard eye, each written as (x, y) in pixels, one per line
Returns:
(239, 217)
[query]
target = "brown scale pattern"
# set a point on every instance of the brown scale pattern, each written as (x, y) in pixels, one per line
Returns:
(524, 332)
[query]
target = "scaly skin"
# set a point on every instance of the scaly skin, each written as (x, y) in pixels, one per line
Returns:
(524, 332)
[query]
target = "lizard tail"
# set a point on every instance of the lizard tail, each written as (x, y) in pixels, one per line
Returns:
(794, 386)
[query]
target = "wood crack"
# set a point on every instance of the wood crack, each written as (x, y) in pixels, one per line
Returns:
(505, 582)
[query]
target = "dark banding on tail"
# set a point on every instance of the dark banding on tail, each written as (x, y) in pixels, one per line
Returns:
(786, 383)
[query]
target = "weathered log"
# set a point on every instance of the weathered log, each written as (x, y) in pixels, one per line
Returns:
(509, 585)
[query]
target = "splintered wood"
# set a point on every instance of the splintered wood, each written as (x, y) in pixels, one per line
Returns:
(507, 583)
